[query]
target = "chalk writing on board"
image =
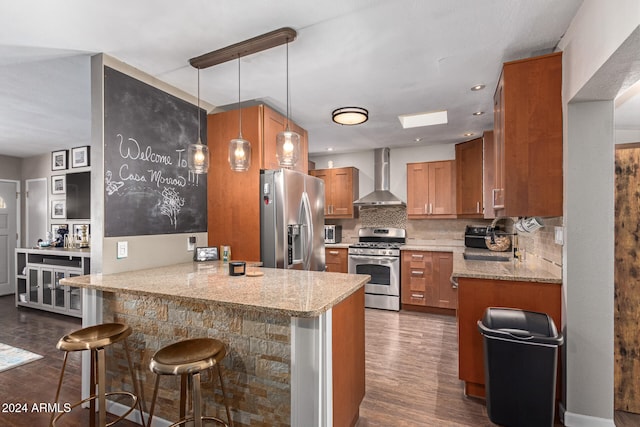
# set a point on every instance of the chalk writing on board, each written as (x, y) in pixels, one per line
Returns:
(148, 186)
(171, 204)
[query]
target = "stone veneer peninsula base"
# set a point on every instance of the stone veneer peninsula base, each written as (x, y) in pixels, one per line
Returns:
(295, 339)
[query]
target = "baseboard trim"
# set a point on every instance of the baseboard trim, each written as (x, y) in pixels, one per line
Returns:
(570, 419)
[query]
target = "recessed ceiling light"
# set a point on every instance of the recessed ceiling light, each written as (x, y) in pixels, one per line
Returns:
(478, 113)
(330, 149)
(418, 139)
(423, 119)
(477, 87)
(469, 134)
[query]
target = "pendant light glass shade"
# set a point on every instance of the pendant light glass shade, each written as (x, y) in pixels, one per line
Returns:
(287, 148)
(198, 158)
(198, 153)
(287, 142)
(239, 148)
(239, 154)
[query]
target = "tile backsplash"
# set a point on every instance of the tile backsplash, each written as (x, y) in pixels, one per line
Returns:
(540, 244)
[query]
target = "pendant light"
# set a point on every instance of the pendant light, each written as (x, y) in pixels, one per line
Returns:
(239, 148)
(198, 153)
(287, 142)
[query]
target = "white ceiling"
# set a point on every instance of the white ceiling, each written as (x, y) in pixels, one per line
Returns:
(392, 57)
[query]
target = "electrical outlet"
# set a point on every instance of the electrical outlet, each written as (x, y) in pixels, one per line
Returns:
(559, 235)
(191, 243)
(123, 250)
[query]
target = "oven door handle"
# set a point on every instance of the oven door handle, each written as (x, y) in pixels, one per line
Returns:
(375, 258)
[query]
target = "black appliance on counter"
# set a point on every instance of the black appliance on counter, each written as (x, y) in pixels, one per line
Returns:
(474, 236)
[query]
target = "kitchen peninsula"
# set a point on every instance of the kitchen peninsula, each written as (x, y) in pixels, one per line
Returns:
(295, 339)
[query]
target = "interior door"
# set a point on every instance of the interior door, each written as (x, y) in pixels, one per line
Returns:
(8, 235)
(37, 203)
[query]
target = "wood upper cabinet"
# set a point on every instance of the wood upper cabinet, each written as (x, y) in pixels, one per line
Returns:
(528, 138)
(431, 190)
(341, 188)
(469, 199)
(336, 260)
(488, 173)
(425, 280)
(233, 199)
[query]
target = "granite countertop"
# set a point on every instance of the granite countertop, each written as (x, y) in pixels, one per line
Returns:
(291, 292)
(533, 269)
(337, 245)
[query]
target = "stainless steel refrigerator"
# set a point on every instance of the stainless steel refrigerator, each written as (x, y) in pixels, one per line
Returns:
(291, 220)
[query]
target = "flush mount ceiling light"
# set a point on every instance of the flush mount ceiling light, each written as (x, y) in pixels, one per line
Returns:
(350, 116)
(423, 119)
(477, 87)
(469, 134)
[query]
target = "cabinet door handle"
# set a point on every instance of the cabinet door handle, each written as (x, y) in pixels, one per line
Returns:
(334, 252)
(425, 209)
(495, 196)
(417, 272)
(417, 296)
(430, 208)
(477, 207)
(417, 256)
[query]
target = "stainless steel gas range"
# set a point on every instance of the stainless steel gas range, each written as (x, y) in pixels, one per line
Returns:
(377, 254)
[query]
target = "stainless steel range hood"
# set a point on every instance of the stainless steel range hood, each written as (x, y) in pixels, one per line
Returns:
(381, 196)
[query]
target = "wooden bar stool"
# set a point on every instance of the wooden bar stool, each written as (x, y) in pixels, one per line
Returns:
(188, 358)
(95, 339)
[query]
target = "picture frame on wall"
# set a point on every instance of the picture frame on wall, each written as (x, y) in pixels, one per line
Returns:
(80, 157)
(58, 184)
(77, 231)
(56, 227)
(58, 209)
(59, 160)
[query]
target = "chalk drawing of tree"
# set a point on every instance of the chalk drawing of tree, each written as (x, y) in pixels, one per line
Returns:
(171, 204)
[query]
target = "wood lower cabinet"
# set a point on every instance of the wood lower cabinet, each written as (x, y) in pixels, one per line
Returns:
(469, 191)
(234, 197)
(341, 188)
(474, 296)
(528, 138)
(431, 190)
(336, 260)
(425, 280)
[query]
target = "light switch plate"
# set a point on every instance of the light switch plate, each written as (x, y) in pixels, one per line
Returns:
(191, 243)
(123, 250)
(559, 235)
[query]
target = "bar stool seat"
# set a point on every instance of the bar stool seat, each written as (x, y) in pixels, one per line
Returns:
(188, 358)
(95, 339)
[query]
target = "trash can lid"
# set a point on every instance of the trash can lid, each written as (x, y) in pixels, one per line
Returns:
(519, 325)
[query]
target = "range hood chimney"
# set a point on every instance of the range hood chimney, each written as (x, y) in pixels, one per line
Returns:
(381, 196)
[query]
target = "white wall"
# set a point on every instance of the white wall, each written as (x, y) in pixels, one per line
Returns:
(597, 31)
(398, 159)
(627, 136)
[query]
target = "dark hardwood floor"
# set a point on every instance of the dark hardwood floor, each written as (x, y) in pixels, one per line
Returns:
(411, 371)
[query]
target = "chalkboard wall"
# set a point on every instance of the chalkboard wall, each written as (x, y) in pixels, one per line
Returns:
(148, 187)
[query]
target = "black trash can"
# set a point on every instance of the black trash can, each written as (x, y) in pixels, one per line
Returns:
(520, 365)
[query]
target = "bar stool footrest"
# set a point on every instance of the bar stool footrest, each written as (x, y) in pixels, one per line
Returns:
(94, 397)
(184, 421)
